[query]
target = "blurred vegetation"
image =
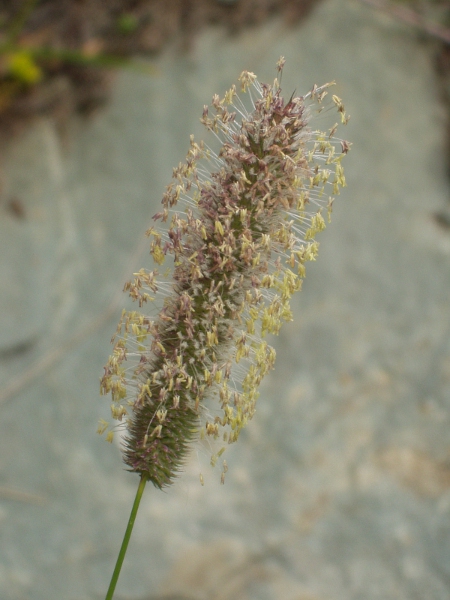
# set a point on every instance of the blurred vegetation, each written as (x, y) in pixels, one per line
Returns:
(58, 56)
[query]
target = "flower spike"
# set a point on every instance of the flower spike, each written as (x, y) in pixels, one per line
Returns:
(242, 225)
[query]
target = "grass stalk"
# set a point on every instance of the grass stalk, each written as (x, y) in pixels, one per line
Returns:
(126, 538)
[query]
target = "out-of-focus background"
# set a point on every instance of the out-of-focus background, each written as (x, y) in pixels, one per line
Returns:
(339, 489)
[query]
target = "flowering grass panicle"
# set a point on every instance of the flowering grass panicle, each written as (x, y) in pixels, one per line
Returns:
(239, 241)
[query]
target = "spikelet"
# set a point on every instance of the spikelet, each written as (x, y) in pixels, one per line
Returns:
(241, 226)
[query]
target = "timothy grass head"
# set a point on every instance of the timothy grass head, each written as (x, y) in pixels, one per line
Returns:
(239, 226)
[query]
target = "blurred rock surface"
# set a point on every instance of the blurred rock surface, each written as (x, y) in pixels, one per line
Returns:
(340, 487)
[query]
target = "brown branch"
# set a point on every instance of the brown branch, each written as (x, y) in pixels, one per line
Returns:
(413, 18)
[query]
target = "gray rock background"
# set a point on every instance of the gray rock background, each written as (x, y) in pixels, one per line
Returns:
(340, 486)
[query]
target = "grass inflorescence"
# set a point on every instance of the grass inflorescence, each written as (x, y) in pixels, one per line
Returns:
(240, 226)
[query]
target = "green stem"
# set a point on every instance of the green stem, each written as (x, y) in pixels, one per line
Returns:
(126, 538)
(76, 57)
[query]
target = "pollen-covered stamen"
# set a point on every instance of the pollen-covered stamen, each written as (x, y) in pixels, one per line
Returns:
(238, 243)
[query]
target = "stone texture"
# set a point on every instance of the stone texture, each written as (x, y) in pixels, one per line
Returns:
(340, 487)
